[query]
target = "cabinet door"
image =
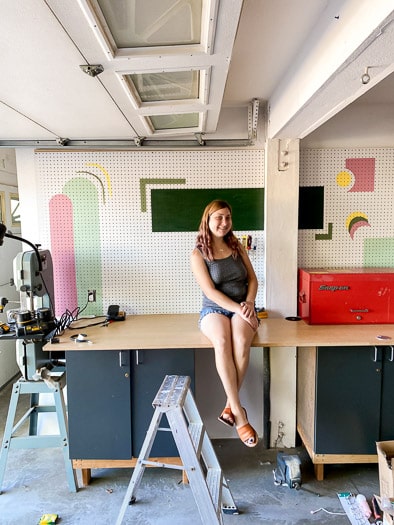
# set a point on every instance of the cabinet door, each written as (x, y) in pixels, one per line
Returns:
(387, 422)
(99, 405)
(348, 388)
(149, 367)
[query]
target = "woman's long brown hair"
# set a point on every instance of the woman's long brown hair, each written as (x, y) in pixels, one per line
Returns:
(204, 236)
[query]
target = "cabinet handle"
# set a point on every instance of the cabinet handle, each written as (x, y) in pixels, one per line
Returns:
(139, 357)
(375, 358)
(123, 361)
(391, 358)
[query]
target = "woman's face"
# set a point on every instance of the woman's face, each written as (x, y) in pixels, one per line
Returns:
(220, 222)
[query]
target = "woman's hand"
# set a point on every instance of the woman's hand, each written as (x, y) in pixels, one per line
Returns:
(254, 322)
(248, 313)
(247, 309)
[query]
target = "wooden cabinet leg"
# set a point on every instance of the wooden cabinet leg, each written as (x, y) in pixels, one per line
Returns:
(86, 476)
(319, 471)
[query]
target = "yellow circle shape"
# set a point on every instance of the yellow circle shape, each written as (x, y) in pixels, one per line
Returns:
(353, 215)
(344, 179)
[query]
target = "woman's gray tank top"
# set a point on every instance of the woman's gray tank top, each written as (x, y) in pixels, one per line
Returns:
(229, 276)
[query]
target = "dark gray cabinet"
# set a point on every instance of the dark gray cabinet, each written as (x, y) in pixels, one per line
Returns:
(348, 400)
(109, 397)
(344, 402)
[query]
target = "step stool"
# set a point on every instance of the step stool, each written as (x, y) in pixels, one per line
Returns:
(199, 461)
(35, 388)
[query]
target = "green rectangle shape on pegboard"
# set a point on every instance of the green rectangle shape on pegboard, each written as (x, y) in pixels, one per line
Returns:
(181, 210)
(379, 253)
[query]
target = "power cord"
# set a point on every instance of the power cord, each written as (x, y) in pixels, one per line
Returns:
(328, 512)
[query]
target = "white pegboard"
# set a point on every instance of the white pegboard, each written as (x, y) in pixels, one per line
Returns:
(320, 167)
(142, 271)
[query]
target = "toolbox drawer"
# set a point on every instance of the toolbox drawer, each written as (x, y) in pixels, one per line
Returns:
(346, 296)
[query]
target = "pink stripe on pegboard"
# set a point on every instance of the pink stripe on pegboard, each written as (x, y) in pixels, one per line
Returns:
(63, 253)
(363, 170)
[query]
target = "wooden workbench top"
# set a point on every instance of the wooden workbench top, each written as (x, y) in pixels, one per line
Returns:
(148, 332)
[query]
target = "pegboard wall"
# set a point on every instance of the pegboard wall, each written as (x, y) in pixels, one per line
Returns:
(97, 223)
(358, 227)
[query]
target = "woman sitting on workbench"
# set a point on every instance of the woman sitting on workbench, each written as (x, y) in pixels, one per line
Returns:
(222, 269)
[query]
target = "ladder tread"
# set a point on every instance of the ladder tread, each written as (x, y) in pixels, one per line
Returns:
(172, 392)
(196, 431)
(214, 482)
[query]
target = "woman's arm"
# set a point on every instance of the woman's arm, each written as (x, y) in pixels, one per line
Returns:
(248, 306)
(252, 278)
(201, 274)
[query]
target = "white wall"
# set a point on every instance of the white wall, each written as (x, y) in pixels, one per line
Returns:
(8, 167)
(359, 125)
(8, 184)
(29, 200)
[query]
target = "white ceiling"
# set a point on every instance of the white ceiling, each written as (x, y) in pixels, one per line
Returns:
(301, 59)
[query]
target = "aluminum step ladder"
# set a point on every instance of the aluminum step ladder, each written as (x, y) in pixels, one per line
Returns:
(32, 440)
(199, 461)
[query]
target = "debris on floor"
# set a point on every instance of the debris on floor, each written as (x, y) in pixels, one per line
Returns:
(48, 519)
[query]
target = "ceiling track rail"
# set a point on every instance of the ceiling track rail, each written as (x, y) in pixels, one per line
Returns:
(125, 144)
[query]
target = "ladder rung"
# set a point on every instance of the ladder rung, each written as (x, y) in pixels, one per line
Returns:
(157, 464)
(196, 431)
(214, 483)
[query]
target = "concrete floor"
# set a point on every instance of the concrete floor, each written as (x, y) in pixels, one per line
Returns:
(35, 484)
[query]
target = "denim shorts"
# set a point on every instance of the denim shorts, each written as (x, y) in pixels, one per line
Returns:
(214, 310)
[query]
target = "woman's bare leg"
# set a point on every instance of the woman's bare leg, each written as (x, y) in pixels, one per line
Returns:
(218, 329)
(242, 337)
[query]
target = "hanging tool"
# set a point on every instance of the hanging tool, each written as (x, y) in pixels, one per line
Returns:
(3, 302)
(377, 513)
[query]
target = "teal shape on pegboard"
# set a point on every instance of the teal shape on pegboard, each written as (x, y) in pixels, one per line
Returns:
(86, 218)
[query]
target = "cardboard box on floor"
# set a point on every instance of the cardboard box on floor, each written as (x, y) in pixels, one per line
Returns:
(385, 450)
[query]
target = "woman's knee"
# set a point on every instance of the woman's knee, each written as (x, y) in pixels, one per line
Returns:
(223, 346)
(242, 353)
(241, 339)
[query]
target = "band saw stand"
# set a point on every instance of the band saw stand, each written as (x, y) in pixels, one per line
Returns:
(31, 327)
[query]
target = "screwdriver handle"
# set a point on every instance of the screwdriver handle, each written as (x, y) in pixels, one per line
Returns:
(377, 513)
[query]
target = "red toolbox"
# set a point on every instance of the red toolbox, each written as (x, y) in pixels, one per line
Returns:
(346, 296)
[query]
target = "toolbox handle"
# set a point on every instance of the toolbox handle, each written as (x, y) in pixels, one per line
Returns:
(302, 297)
(354, 310)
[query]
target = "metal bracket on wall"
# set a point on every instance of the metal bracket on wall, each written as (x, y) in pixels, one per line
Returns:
(283, 155)
(253, 116)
